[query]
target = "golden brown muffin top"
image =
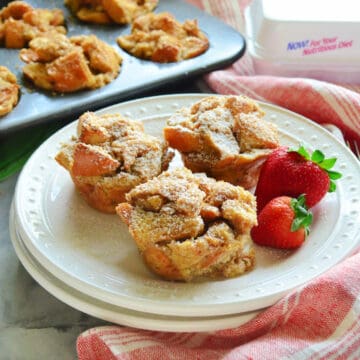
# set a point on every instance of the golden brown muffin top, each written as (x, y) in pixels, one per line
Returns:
(20, 23)
(9, 91)
(221, 126)
(63, 64)
(108, 11)
(110, 144)
(161, 38)
(179, 193)
(188, 226)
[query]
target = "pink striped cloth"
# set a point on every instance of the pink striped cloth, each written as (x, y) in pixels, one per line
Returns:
(321, 320)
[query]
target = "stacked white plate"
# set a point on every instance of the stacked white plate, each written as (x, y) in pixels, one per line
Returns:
(88, 260)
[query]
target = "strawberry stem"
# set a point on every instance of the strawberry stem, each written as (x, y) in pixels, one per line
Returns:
(303, 217)
(318, 158)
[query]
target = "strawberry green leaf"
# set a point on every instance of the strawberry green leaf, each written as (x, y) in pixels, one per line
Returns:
(317, 157)
(303, 217)
(300, 201)
(296, 224)
(332, 187)
(303, 152)
(334, 175)
(327, 163)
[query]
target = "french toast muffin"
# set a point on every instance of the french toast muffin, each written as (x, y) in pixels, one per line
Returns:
(224, 136)
(126, 11)
(61, 64)
(189, 226)
(90, 11)
(161, 38)
(20, 23)
(110, 156)
(109, 11)
(9, 91)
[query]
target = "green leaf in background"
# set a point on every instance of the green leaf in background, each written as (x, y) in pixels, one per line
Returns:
(17, 147)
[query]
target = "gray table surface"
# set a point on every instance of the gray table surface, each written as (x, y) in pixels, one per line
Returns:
(33, 323)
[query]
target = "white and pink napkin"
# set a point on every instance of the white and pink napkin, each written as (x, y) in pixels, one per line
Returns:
(321, 320)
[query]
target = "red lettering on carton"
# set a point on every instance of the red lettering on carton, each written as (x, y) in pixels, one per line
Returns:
(345, 44)
(315, 42)
(329, 40)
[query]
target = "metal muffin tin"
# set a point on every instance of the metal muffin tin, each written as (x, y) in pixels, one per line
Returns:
(137, 76)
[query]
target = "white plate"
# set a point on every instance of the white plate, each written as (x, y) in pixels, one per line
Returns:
(94, 253)
(113, 313)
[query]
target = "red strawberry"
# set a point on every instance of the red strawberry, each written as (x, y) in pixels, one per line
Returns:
(283, 223)
(294, 172)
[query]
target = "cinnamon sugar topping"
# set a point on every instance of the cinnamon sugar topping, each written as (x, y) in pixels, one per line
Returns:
(111, 155)
(187, 226)
(224, 136)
